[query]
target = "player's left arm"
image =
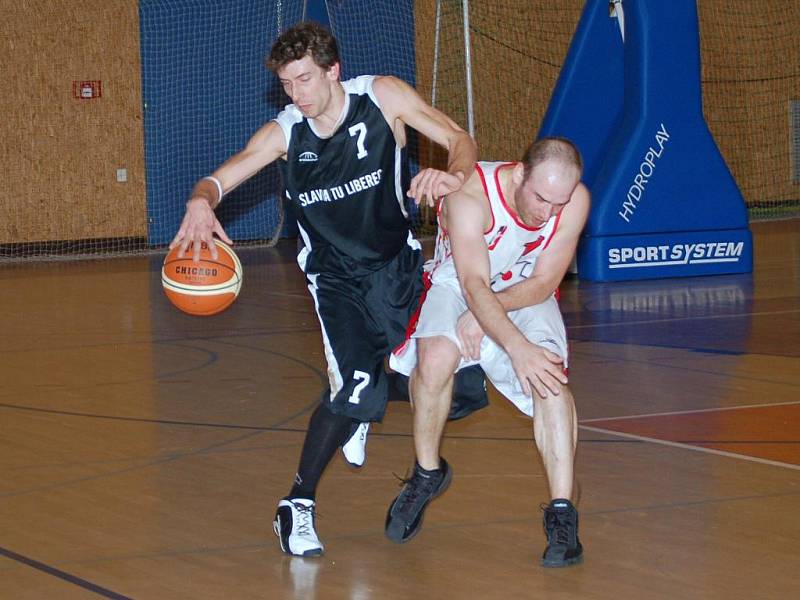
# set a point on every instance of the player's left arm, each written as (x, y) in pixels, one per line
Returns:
(402, 105)
(553, 262)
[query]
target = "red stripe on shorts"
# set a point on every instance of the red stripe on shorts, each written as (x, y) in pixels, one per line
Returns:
(412, 323)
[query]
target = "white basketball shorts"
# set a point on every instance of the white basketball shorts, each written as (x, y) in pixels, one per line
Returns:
(541, 324)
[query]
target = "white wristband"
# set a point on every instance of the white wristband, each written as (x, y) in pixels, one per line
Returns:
(219, 187)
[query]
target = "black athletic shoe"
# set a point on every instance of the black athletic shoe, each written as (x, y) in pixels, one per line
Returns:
(404, 518)
(469, 393)
(561, 527)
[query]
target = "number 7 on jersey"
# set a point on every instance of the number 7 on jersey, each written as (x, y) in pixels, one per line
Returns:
(360, 130)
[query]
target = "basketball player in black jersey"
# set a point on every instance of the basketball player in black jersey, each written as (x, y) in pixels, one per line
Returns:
(340, 145)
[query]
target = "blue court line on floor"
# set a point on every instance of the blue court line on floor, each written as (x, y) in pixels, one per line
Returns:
(87, 585)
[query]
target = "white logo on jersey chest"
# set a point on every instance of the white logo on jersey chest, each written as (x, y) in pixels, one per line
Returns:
(305, 157)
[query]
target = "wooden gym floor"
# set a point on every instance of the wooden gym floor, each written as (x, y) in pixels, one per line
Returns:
(143, 451)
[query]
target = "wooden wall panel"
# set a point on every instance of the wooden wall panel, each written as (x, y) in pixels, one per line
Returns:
(60, 154)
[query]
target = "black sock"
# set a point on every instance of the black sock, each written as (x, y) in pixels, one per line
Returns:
(326, 432)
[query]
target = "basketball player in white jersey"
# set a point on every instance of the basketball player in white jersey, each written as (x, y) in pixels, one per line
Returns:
(505, 240)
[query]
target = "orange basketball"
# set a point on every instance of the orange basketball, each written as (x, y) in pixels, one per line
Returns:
(206, 287)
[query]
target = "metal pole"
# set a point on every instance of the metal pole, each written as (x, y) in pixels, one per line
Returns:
(468, 68)
(436, 31)
(436, 38)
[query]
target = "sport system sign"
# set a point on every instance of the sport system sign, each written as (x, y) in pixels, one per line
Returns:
(684, 254)
(674, 254)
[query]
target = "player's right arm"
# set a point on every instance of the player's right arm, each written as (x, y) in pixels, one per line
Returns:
(402, 105)
(200, 223)
(552, 264)
(550, 268)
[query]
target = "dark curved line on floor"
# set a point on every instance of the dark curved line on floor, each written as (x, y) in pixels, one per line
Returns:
(253, 430)
(247, 332)
(232, 426)
(40, 566)
(166, 459)
(127, 460)
(322, 376)
(270, 306)
(212, 358)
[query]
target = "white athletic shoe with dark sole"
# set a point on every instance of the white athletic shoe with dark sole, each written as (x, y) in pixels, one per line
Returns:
(294, 525)
(355, 448)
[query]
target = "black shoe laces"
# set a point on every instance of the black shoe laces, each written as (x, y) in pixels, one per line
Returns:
(557, 525)
(415, 486)
(305, 520)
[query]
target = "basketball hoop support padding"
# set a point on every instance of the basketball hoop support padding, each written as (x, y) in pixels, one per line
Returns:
(664, 203)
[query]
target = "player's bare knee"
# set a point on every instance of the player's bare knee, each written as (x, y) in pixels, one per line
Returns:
(437, 359)
(550, 399)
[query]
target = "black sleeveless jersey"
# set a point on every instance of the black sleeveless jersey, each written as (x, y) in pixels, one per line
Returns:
(346, 190)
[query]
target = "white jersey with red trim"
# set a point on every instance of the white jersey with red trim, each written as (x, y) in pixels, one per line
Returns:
(513, 246)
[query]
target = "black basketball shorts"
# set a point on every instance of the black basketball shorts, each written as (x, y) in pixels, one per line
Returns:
(363, 319)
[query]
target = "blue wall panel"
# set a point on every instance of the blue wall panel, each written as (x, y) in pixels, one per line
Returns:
(206, 91)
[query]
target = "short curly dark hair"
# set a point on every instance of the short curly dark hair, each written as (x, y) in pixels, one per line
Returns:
(301, 40)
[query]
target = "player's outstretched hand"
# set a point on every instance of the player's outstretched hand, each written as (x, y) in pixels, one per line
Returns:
(470, 334)
(199, 226)
(538, 369)
(431, 184)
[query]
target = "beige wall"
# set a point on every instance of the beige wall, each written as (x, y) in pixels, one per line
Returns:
(60, 155)
(750, 73)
